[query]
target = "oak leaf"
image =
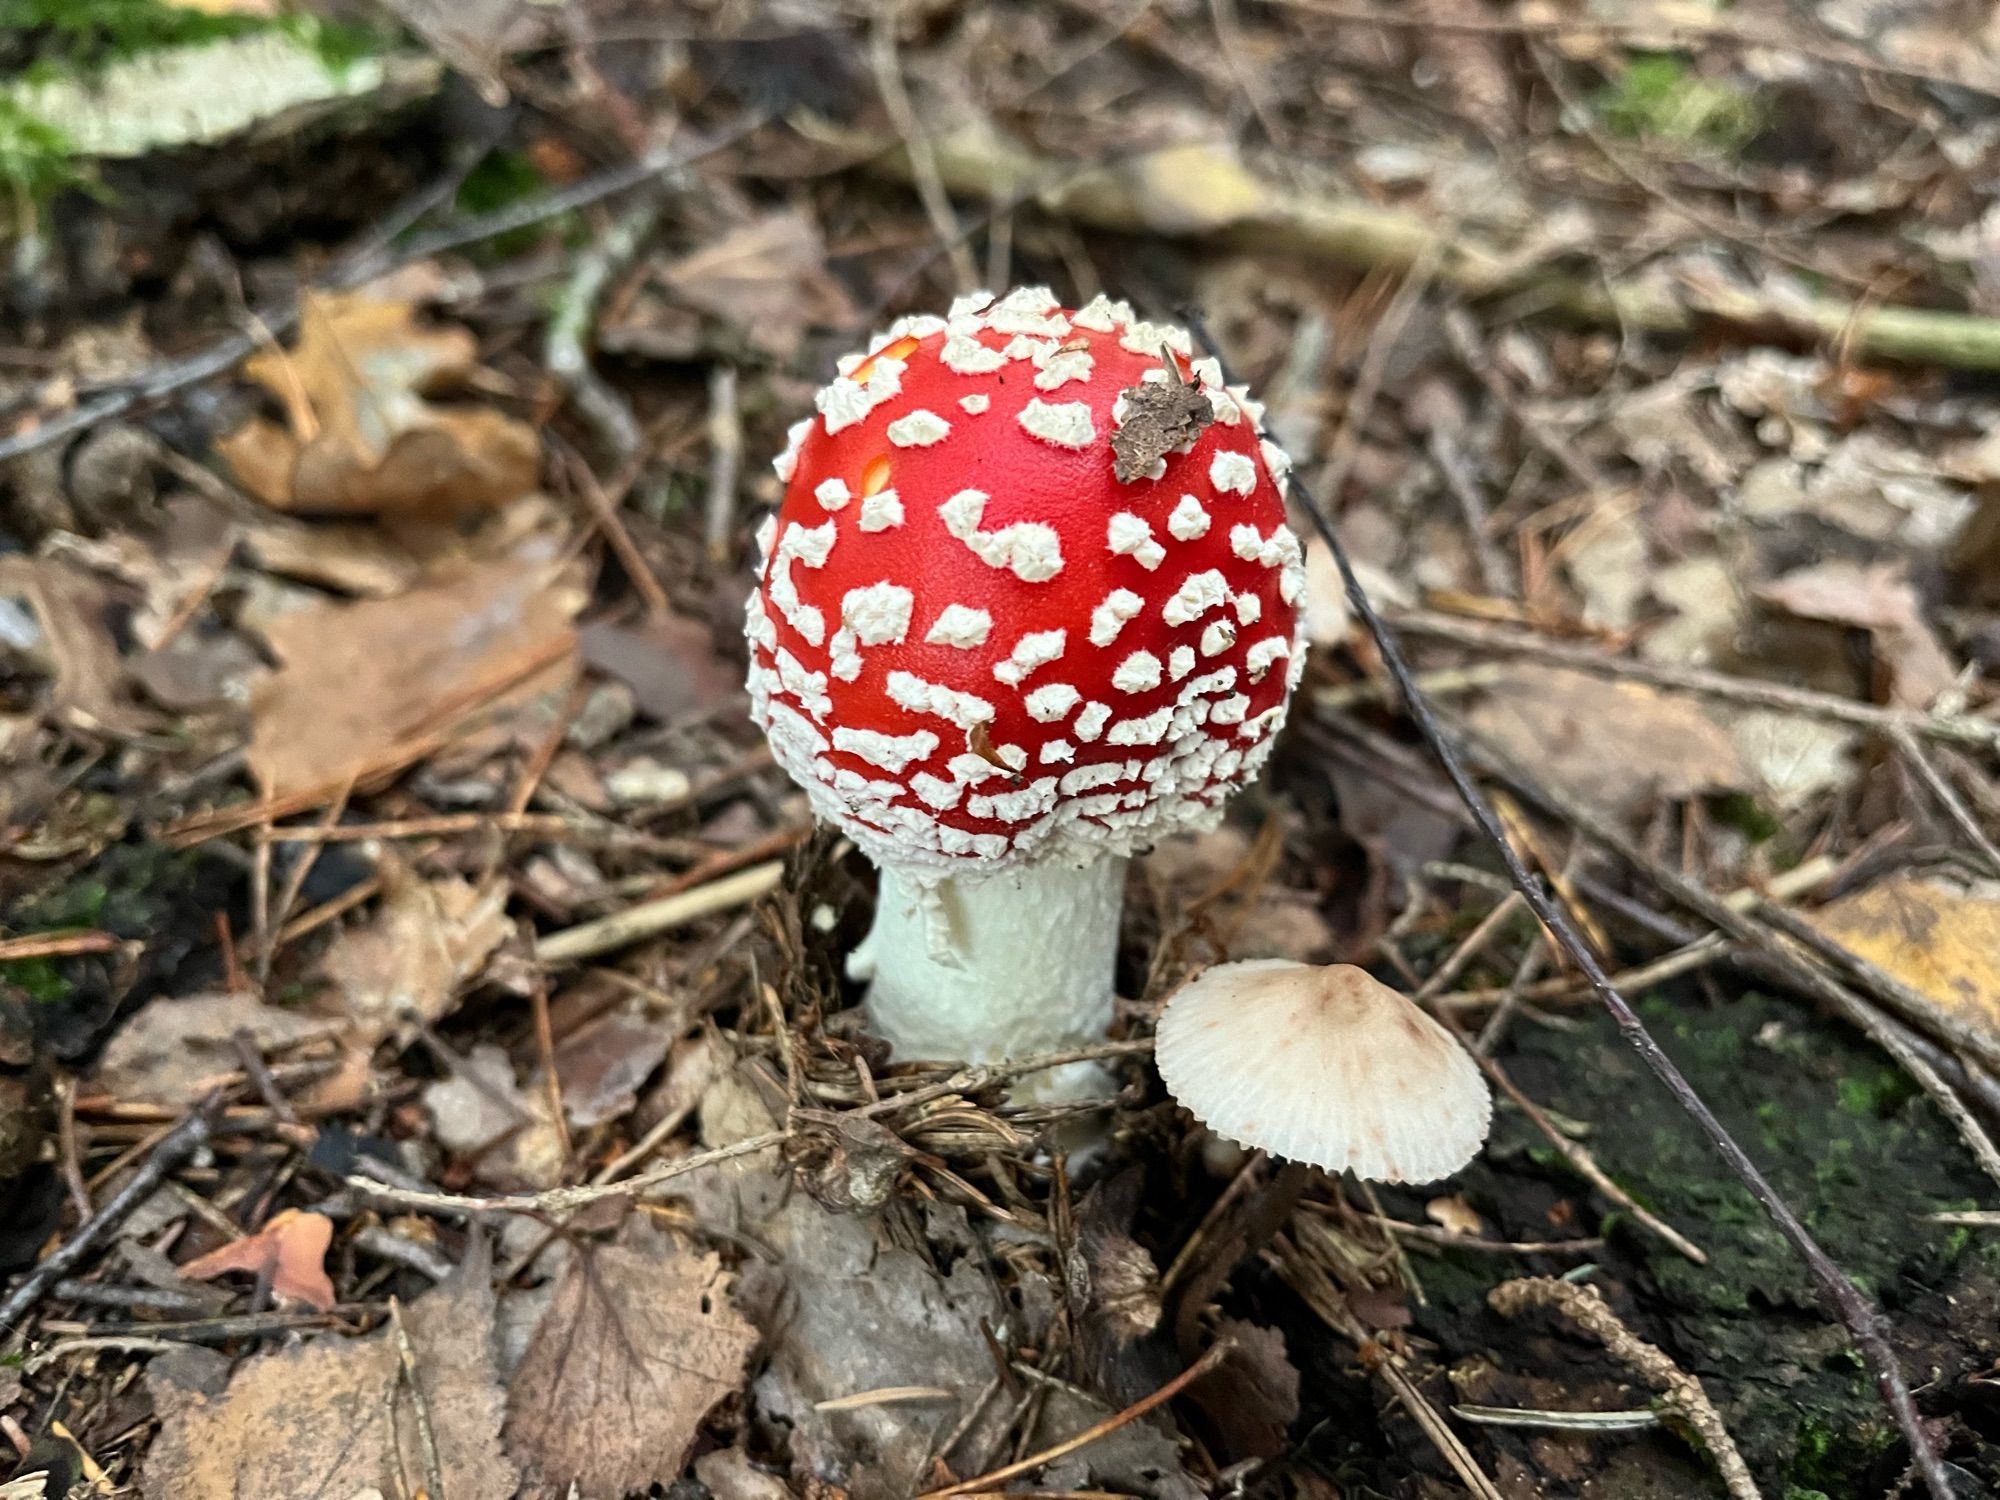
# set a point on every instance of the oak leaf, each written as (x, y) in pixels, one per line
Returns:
(360, 437)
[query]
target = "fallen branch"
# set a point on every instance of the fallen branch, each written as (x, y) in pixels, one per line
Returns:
(650, 918)
(1203, 191)
(1680, 1393)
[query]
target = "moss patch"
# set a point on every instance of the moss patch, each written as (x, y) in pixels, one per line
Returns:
(1661, 97)
(1855, 1150)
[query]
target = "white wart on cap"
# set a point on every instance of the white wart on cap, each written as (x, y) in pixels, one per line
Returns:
(1323, 1065)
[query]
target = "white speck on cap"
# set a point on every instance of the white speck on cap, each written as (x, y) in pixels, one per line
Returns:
(1138, 673)
(1060, 366)
(1129, 535)
(1323, 1065)
(1109, 617)
(832, 494)
(961, 626)
(881, 511)
(1035, 649)
(1188, 521)
(879, 613)
(918, 429)
(1234, 473)
(965, 355)
(891, 752)
(1031, 550)
(1051, 702)
(1067, 424)
(1198, 593)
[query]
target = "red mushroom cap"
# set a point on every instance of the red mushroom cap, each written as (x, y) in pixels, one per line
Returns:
(972, 642)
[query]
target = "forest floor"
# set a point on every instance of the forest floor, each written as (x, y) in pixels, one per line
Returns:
(425, 1062)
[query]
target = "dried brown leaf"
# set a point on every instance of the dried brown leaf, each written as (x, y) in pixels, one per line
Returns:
(361, 439)
(173, 1050)
(859, 1312)
(366, 687)
(1160, 417)
(640, 1342)
(603, 1064)
(766, 278)
(73, 607)
(1455, 1214)
(290, 1249)
(1615, 744)
(1880, 600)
(1253, 1396)
(425, 943)
(670, 664)
(333, 1417)
(482, 1112)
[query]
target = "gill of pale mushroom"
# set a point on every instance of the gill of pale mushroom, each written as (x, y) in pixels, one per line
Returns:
(999, 667)
(1323, 1065)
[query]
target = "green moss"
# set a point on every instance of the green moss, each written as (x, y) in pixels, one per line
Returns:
(1826, 1455)
(501, 180)
(1851, 1148)
(1879, 1092)
(339, 44)
(37, 978)
(90, 33)
(1746, 815)
(1660, 97)
(37, 161)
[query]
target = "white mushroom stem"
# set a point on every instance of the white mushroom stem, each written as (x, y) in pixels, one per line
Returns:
(1011, 965)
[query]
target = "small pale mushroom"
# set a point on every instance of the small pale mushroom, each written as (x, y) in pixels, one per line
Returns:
(1000, 668)
(1324, 1065)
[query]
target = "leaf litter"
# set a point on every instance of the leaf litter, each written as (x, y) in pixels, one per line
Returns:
(334, 1416)
(402, 632)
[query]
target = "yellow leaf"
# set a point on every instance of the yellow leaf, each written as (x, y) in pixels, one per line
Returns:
(1942, 942)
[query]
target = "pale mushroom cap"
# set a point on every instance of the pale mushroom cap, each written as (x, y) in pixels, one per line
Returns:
(1323, 1065)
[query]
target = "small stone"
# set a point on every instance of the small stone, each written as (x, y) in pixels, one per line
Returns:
(645, 782)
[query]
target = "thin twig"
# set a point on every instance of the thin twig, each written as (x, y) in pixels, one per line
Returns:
(571, 326)
(564, 1200)
(57, 945)
(604, 502)
(1961, 729)
(406, 1359)
(174, 1149)
(990, 1482)
(888, 67)
(1585, 1164)
(1650, 34)
(651, 918)
(725, 461)
(1953, 805)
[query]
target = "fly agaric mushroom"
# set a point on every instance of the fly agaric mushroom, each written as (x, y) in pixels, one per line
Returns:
(1326, 1066)
(1029, 604)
